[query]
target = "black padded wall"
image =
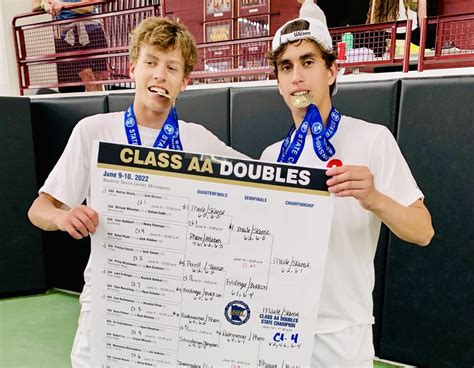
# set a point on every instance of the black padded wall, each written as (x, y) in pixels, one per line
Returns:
(376, 102)
(209, 108)
(53, 120)
(119, 101)
(21, 253)
(259, 117)
(429, 297)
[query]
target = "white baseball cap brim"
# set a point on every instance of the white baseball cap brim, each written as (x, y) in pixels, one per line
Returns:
(317, 31)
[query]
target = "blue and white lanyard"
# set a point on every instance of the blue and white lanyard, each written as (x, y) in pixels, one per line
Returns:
(167, 137)
(291, 151)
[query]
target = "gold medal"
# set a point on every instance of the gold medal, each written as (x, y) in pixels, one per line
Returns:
(301, 101)
(173, 99)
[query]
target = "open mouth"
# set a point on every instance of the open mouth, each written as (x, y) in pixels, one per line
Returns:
(300, 93)
(160, 91)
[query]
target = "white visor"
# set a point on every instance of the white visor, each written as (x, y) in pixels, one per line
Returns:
(317, 31)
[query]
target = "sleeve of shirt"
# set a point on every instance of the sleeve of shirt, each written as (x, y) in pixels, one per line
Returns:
(267, 155)
(392, 175)
(69, 180)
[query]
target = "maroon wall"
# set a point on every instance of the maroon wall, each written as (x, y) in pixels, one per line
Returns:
(191, 14)
(449, 7)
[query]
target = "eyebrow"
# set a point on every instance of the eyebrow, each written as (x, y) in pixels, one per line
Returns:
(301, 58)
(172, 61)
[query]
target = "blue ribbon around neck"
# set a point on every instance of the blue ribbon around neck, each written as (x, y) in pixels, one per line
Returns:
(291, 150)
(168, 137)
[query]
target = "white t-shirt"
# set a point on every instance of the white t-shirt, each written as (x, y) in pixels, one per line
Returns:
(404, 14)
(346, 298)
(69, 181)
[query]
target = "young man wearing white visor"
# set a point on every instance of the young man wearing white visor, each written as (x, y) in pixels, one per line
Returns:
(371, 183)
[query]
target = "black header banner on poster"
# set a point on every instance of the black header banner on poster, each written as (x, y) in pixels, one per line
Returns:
(211, 168)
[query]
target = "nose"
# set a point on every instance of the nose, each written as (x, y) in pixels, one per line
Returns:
(296, 76)
(159, 72)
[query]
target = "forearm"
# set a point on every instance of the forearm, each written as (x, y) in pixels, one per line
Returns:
(45, 212)
(59, 5)
(412, 223)
(36, 5)
(84, 10)
(422, 11)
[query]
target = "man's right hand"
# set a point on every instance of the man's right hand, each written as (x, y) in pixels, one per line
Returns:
(49, 214)
(78, 221)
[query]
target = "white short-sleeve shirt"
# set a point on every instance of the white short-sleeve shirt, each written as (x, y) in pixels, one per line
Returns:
(346, 298)
(69, 181)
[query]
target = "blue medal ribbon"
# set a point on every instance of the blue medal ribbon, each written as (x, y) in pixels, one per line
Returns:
(291, 151)
(168, 137)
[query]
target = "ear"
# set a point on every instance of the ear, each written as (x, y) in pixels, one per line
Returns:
(332, 73)
(184, 84)
(279, 88)
(132, 70)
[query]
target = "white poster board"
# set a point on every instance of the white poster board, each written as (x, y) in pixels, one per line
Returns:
(205, 261)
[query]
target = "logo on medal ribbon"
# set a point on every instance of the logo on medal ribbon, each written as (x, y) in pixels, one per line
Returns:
(168, 129)
(335, 116)
(304, 127)
(129, 123)
(237, 312)
(317, 128)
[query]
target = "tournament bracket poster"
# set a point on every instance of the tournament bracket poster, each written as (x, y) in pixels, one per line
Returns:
(204, 261)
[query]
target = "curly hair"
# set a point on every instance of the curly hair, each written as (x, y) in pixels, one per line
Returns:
(165, 34)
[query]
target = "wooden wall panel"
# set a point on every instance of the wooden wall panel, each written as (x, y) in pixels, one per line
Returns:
(281, 12)
(190, 12)
(450, 7)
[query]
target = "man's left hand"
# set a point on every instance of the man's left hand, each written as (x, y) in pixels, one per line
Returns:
(353, 181)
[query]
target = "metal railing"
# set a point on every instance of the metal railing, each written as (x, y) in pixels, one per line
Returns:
(373, 45)
(83, 51)
(454, 42)
(43, 63)
(233, 61)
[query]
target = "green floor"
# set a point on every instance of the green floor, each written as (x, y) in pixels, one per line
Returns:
(38, 331)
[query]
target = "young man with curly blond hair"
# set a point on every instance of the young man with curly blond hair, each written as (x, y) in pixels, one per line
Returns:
(162, 53)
